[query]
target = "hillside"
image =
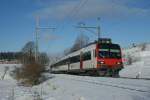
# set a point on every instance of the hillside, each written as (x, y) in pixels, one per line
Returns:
(137, 61)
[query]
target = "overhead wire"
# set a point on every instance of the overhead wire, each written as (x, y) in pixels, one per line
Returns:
(73, 12)
(81, 6)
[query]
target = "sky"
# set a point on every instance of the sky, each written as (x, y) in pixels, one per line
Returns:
(124, 21)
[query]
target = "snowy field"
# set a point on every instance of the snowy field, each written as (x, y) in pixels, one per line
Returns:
(69, 87)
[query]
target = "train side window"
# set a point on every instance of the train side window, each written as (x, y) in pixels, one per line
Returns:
(75, 59)
(87, 56)
(63, 62)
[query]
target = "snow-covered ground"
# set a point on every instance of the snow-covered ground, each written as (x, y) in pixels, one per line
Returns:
(7, 68)
(69, 87)
(140, 57)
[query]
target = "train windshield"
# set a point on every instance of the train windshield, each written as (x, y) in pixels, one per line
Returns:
(109, 51)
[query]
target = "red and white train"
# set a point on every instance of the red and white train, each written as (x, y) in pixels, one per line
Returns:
(101, 57)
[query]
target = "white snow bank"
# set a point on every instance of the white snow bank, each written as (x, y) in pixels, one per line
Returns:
(140, 67)
(137, 70)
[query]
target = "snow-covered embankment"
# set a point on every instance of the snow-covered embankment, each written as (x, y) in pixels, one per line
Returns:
(137, 64)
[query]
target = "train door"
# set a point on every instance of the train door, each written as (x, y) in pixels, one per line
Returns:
(81, 60)
(90, 61)
(93, 58)
(68, 64)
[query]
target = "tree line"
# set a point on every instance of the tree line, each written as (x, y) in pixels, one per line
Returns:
(9, 55)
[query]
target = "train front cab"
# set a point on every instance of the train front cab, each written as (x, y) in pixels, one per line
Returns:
(109, 60)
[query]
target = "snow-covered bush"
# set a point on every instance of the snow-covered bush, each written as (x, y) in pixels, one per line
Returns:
(130, 58)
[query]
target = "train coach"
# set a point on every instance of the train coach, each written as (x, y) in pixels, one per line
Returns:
(101, 58)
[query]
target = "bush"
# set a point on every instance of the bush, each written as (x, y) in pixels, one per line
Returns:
(129, 60)
(30, 72)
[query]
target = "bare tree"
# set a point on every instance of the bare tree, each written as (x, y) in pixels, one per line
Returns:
(27, 53)
(81, 41)
(29, 47)
(43, 59)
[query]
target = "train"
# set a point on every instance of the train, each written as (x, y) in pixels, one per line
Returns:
(101, 57)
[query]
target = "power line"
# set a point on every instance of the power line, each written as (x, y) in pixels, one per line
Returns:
(74, 11)
(79, 8)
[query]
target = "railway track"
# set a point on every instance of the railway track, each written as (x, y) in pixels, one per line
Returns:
(121, 85)
(135, 78)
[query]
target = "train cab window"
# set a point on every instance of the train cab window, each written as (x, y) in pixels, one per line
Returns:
(104, 54)
(109, 51)
(115, 53)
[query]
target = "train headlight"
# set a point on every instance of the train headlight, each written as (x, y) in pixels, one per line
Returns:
(118, 63)
(101, 62)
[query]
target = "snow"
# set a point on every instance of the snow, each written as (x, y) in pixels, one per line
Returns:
(10, 67)
(69, 87)
(140, 66)
(94, 88)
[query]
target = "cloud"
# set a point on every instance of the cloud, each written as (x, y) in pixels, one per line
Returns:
(93, 8)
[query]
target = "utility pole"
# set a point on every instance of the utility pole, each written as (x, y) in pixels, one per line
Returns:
(36, 37)
(99, 28)
(37, 29)
(88, 28)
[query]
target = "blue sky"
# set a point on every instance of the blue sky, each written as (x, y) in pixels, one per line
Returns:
(125, 21)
